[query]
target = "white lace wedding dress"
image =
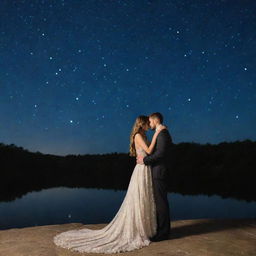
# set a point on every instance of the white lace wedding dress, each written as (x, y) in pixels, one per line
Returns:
(131, 227)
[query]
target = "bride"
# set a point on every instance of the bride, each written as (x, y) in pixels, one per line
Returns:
(135, 221)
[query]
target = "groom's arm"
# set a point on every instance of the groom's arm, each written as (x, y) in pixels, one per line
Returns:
(162, 144)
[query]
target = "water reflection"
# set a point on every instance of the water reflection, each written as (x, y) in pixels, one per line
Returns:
(88, 206)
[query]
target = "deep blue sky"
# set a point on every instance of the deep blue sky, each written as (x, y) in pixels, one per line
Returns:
(74, 75)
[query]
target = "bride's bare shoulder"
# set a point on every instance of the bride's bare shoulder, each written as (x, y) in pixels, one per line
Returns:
(137, 135)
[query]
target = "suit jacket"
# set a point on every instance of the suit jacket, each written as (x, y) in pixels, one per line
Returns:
(160, 158)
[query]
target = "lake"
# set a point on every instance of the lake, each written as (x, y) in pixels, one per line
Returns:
(89, 206)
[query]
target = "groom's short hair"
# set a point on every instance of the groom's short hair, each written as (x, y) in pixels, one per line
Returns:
(158, 116)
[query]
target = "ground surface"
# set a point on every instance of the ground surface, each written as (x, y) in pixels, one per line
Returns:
(204, 237)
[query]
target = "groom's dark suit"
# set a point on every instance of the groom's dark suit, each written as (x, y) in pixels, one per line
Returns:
(159, 163)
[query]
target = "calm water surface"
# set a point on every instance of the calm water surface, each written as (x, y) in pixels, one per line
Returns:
(88, 206)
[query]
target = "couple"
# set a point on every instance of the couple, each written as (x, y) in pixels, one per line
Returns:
(144, 214)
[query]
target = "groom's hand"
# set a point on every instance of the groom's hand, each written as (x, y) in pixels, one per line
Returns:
(140, 159)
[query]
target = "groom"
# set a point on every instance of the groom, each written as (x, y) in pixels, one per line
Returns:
(158, 161)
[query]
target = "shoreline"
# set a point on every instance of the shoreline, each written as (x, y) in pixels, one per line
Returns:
(195, 237)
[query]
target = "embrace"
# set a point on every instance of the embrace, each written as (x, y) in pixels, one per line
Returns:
(144, 214)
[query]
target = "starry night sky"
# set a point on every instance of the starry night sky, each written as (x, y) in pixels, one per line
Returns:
(75, 74)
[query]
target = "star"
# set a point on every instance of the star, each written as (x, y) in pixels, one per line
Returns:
(90, 73)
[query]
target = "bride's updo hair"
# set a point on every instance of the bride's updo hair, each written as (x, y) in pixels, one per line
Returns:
(140, 123)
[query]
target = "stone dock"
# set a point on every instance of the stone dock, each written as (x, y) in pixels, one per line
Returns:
(200, 237)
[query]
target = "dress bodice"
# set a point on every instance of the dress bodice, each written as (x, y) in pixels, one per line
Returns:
(140, 151)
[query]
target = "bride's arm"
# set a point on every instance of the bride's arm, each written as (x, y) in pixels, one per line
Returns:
(140, 141)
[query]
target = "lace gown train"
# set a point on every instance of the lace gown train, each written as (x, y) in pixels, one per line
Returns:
(131, 227)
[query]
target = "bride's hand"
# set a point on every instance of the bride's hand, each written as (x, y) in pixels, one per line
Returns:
(161, 128)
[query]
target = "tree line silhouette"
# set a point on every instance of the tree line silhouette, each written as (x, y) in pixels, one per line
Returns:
(226, 169)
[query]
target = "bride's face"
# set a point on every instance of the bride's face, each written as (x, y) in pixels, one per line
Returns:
(145, 127)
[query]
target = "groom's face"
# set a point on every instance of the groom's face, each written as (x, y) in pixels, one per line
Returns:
(152, 123)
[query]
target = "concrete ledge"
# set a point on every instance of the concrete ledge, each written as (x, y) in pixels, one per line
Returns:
(201, 237)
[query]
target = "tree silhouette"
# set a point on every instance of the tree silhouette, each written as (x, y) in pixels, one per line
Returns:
(226, 169)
